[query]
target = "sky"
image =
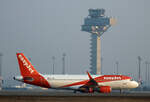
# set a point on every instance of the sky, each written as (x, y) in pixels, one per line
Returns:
(45, 28)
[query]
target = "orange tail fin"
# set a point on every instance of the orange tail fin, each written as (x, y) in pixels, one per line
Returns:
(29, 74)
(26, 67)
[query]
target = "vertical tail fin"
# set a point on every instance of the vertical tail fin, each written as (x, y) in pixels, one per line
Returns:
(29, 73)
(26, 67)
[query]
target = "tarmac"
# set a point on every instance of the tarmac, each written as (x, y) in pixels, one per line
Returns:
(60, 96)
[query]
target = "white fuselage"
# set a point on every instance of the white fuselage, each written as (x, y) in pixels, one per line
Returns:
(58, 81)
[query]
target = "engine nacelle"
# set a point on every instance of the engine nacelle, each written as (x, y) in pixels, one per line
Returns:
(105, 89)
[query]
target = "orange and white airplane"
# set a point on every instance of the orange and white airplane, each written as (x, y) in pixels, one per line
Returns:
(83, 83)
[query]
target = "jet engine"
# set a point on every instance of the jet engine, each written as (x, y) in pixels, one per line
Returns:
(105, 89)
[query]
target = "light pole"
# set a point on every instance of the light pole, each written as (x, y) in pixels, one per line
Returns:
(139, 62)
(117, 63)
(53, 58)
(1, 71)
(146, 73)
(63, 60)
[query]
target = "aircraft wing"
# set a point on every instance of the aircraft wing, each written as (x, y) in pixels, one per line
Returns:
(89, 85)
(92, 82)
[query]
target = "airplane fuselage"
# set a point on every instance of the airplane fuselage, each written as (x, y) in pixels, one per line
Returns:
(67, 81)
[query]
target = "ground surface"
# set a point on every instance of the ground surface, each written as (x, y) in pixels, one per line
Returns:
(48, 96)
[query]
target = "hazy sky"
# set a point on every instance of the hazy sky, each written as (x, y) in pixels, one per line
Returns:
(45, 28)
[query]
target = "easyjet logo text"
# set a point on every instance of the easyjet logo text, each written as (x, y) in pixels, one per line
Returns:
(26, 64)
(112, 78)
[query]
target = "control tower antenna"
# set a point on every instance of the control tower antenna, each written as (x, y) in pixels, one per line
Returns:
(96, 23)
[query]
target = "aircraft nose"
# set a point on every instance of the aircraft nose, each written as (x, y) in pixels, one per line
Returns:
(135, 84)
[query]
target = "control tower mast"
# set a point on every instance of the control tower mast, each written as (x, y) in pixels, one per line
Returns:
(96, 23)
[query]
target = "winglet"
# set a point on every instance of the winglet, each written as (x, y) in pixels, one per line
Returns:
(90, 77)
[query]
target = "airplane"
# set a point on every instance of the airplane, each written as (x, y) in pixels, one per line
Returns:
(82, 83)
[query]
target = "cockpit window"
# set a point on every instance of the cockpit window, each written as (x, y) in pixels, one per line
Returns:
(131, 79)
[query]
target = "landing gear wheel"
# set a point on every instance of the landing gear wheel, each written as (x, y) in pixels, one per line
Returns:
(91, 90)
(121, 91)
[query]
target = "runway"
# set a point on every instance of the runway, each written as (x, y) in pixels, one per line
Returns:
(49, 96)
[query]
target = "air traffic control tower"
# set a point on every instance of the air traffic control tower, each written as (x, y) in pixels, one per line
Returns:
(96, 23)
